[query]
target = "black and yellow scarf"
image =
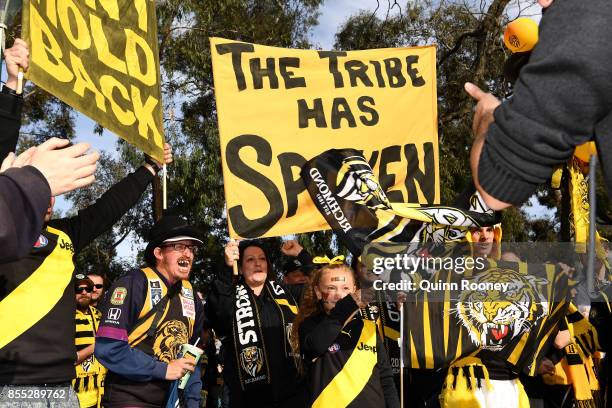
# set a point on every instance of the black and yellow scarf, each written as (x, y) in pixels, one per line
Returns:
(251, 353)
(387, 317)
(577, 368)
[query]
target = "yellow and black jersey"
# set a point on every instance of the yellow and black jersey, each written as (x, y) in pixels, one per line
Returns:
(468, 322)
(86, 324)
(37, 293)
(347, 364)
(138, 301)
(89, 373)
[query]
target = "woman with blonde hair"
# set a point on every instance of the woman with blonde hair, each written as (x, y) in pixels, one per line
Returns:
(343, 354)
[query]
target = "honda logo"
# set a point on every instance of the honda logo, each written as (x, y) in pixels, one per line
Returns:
(114, 313)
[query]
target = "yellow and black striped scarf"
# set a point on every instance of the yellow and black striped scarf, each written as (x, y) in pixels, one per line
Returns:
(577, 367)
(90, 372)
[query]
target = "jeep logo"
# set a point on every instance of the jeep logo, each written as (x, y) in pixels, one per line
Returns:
(365, 347)
(66, 245)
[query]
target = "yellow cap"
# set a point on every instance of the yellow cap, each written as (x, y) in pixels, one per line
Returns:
(585, 150)
(521, 35)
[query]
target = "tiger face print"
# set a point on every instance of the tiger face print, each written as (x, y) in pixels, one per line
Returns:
(492, 317)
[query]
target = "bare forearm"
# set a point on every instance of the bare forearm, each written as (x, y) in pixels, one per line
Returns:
(85, 353)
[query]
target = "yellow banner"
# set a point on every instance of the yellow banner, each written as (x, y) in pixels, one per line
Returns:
(101, 58)
(278, 108)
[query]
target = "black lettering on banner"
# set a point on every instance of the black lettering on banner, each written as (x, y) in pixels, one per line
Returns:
(333, 65)
(293, 186)
(258, 72)
(373, 158)
(393, 66)
(378, 72)
(236, 49)
(244, 226)
(390, 154)
(426, 179)
(361, 104)
(288, 76)
(415, 78)
(345, 113)
(305, 113)
(357, 70)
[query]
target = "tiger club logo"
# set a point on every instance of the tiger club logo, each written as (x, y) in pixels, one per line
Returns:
(494, 318)
(356, 182)
(251, 360)
(514, 40)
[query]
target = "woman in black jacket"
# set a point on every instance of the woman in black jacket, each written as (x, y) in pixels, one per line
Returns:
(253, 318)
(344, 354)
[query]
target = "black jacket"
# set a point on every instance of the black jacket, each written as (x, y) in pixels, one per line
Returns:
(326, 344)
(37, 336)
(24, 198)
(285, 389)
(10, 122)
(24, 193)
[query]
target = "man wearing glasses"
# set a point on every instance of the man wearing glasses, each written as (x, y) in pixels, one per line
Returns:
(98, 288)
(148, 314)
(89, 380)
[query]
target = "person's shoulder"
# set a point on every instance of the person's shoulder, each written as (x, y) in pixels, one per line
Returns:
(126, 283)
(130, 285)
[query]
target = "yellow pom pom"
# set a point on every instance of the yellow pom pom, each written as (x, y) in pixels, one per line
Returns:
(521, 35)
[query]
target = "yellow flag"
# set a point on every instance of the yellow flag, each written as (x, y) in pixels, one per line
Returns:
(278, 108)
(101, 58)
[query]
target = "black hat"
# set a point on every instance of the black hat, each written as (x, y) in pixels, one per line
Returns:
(294, 265)
(168, 229)
(80, 279)
(290, 266)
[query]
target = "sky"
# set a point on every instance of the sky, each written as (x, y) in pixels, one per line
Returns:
(333, 14)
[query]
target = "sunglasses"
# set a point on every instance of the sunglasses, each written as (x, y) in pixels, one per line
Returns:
(80, 289)
(98, 286)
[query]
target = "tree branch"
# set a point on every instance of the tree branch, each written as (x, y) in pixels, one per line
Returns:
(120, 240)
(475, 33)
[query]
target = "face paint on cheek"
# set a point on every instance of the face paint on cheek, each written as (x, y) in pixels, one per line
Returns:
(325, 296)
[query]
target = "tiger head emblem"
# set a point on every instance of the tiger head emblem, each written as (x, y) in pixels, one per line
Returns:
(438, 232)
(493, 318)
(168, 340)
(251, 360)
(356, 182)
